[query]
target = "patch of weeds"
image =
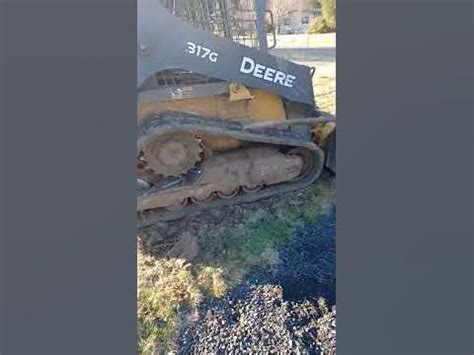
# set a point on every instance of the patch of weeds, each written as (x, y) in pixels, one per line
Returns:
(164, 287)
(211, 281)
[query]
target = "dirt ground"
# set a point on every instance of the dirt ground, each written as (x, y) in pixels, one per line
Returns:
(208, 257)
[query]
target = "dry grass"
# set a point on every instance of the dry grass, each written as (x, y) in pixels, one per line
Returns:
(164, 287)
(325, 92)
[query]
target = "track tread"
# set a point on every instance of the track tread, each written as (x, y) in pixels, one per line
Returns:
(169, 122)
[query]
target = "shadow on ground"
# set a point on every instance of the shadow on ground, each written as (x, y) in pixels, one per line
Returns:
(306, 264)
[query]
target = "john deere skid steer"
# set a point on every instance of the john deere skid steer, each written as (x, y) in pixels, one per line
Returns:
(220, 120)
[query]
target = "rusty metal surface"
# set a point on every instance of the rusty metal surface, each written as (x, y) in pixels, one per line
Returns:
(226, 173)
(173, 154)
(168, 123)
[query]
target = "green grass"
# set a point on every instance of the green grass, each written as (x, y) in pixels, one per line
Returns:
(255, 241)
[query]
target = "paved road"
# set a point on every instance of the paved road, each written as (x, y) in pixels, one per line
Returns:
(312, 50)
(321, 54)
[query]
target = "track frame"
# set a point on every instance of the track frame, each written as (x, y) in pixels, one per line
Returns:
(172, 122)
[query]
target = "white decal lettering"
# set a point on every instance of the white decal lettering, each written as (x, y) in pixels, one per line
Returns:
(191, 48)
(201, 52)
(269, 74)
(206, 52)
(249, 66)
(279, 77)
(213, 57)
(245, 69)
(289, 80)
(259, 69)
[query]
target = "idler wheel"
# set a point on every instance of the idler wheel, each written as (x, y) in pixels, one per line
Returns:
(308, 162)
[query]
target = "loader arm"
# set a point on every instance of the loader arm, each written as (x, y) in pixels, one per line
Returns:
(167, 42)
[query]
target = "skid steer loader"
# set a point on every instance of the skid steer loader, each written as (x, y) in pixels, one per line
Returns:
(220, 120)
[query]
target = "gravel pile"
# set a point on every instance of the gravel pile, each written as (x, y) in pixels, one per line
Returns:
(326, 327)
(276, 311)
(307, 264)
(256, 319)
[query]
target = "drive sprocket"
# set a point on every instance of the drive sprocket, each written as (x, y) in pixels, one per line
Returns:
(172, 154)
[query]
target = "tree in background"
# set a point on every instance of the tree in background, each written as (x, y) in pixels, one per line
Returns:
(328, 9)
(282, 8)
(327, 21)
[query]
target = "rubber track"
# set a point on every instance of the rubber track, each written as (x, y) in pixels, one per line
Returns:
(170, 122)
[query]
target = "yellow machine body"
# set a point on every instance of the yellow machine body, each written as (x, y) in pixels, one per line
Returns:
(240, 103)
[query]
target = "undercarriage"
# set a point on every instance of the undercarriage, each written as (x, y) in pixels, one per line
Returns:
(267, 162)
